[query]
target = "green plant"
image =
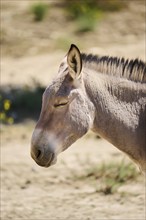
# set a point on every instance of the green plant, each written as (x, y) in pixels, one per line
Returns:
(110, 176)
(39, 11)
(86, 13)
(114, 175)
(87, 21)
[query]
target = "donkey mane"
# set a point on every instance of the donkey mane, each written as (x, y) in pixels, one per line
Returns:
(134, 70)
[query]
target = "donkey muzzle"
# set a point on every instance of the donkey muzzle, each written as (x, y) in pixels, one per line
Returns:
(43, 156)
(43, 148)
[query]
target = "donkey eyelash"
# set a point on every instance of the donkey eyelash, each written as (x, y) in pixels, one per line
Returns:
(60, 104)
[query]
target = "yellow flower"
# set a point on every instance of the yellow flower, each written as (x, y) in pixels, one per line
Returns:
(7, 105)
(10, 120)
(2, 116)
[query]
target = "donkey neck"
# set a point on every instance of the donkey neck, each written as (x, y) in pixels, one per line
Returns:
(117, 112)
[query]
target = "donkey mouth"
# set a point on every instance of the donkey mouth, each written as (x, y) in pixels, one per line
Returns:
(47, 163)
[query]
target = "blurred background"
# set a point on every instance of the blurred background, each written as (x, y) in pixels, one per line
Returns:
(36, 35)
(34, 38)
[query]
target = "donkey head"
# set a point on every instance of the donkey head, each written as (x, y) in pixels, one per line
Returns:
(66, 113)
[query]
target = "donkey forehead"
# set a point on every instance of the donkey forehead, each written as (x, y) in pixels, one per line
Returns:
(54, 87)
(61, 86)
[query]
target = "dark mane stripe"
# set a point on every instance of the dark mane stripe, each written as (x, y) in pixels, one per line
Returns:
(134, 70)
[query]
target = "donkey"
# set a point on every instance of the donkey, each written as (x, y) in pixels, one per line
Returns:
(102, 93)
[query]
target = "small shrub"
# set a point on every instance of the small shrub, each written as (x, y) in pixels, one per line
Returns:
(84, 13)
(87, 22)
(39, 11)
(87, 13)
(110, 175)
(113, 175)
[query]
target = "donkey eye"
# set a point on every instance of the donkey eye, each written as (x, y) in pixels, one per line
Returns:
(62, 104)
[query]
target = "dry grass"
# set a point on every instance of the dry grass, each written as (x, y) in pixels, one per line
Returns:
(107, 177)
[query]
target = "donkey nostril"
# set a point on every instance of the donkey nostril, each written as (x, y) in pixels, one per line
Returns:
(42, 155)
(38, 154)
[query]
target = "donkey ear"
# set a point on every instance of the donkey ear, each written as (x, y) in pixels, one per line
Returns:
(74, 62)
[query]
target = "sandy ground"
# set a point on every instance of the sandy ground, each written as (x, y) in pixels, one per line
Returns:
(29, 192)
